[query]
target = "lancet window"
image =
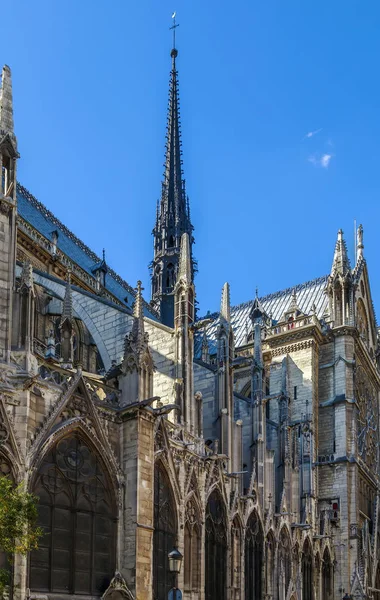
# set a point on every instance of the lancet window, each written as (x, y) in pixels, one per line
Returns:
(192, 548)
(165, 533)
(5, 471)
(269, 565)
(236, 535)
(284, 561)
(77, 512)
(327, 576)
(216, 548)
(254, 550)
(376, 595)
(307, 572)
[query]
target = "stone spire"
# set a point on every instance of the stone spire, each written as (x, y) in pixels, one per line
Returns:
(136, 380)
(185, 272)
(225, 304)
(359, 243)
(66, 327)
(6, 102)
(173, 212)
(138, 331)
(205, 347)
(341, 263)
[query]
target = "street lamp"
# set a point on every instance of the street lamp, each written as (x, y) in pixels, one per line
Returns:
(175, 561)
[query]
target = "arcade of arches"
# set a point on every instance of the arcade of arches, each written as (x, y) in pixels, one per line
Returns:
(78, 513)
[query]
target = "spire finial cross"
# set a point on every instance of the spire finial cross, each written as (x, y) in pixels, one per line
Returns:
(174, 27)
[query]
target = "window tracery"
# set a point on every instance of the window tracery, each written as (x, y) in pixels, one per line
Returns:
(192, 547)
(254, 550)
(362, 321)
(327, 576)
(269, 565)
(366, 398)
(165, 532)
(307, 572)
(77, 512)
(236, 559)
(284, 560)
(216, 548)
(5, 471)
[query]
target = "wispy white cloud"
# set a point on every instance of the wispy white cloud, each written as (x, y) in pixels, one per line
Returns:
(325, 160)
(311, 134)
(320, 161)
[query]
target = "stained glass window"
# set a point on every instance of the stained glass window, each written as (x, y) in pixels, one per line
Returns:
(215, 550)
(327, 576)
(77, 512)
(192, 548)
(165, 532)
(307, 572)
(254, 542)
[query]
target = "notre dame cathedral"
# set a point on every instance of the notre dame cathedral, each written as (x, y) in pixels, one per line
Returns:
(247, 440)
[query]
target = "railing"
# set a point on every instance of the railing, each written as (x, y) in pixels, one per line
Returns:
(98, 391)
(298, 323)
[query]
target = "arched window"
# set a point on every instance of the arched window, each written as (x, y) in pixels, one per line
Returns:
(215, 550)
(376, 595)
(5, 471)
(361, 320)
(254, 542)
(170, 276)
(269, 565)
(327, 576)
(236, 560)
(317, 577)
(307, 572)
(192, 548)
(77, 512)
(165, 533)
(284, 561)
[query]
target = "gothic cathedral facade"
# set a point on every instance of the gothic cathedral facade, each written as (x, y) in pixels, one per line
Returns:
(248, 440)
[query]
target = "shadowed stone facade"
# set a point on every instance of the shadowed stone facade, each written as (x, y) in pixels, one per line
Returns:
(247, 439)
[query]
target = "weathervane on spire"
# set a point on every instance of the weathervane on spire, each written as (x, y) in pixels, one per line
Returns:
(174, 27)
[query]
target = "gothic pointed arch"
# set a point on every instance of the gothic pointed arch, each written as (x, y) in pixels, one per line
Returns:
(165, 531)
(215, 547)
(77, 511)
(6, 470)
(10, 449)
(327, 576)
(307, 571)
(192, 539)
(270, 551)
(236, 558)
(254, 558)
(376, 595)
(284, 560)
(74, 409)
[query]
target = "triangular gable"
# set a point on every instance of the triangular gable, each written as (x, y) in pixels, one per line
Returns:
(357, 589)
(361, 277)
(8, 441)
(163, 452)
(75, 408)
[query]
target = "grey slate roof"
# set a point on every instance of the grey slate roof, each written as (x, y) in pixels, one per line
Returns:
(39, 217)
(309, 293)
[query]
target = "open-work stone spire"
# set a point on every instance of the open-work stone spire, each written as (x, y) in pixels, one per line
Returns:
(341, 263)
(6, 102)
(225, 304)
(173, 212)
(185, 270)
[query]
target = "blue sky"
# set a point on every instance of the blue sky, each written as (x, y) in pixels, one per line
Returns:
(90, 85)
